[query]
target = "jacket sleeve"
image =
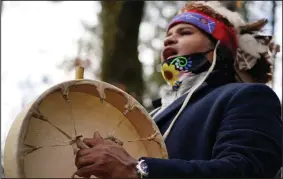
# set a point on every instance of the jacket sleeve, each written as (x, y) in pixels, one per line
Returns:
(248, 142)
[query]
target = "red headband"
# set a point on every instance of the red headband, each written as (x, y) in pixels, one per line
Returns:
(214, 27)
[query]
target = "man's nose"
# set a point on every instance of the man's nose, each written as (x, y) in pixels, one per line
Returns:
(170, 41)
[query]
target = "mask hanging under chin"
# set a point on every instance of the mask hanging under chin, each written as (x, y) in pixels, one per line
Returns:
(175, 70)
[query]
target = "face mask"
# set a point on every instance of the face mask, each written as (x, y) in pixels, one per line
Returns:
(175, 70)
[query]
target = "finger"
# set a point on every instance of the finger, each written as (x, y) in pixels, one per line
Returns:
(89, 170)
(83, 152)
(91, 142)
(73, 176)
(97, 136)
(81, 144)
(86, 171)
(114, 141)
(84, 161)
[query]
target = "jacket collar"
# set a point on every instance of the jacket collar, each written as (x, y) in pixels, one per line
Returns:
(214, 80)
(177, 103)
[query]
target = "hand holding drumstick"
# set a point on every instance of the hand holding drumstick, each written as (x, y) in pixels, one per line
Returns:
(103, 159)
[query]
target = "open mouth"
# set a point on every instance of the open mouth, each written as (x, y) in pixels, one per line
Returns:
(169, 52)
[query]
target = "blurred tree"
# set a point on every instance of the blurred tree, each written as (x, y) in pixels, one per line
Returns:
(120, 24)
(232, 5)
(273, 20)
(82, 58)
(273, 14)
(120, 29)
(238, 6)
(1, 7)
(161, 12)
(2, 169)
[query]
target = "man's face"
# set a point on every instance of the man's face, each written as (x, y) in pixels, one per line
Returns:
(184, 39)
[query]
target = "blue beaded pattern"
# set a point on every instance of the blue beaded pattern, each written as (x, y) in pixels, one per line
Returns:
(196, 19)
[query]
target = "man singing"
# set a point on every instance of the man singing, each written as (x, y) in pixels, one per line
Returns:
(218, 118)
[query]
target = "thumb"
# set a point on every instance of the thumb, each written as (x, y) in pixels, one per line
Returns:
(91, 142)
(97, 136)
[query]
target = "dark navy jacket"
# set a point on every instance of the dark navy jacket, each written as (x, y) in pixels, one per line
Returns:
(230, 130)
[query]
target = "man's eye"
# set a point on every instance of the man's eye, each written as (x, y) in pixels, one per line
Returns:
(186, 33)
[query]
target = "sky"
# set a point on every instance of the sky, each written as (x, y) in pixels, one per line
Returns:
(36, 36)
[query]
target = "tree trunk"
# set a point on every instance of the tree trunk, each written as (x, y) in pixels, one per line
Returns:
(120, 64)
(1, 7)
(245, 11)
(273, 13)
(231, 5)
(237, 6)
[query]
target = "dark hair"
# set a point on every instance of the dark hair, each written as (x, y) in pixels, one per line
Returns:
(261, 71)
(225, 59)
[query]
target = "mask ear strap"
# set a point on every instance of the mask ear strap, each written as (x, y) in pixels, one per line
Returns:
(192, 91)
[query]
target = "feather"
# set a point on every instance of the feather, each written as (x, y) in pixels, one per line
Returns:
(244, 60)
(250, 45)
(263, 39)
(254, 26)
(233, 17)
(273, 47)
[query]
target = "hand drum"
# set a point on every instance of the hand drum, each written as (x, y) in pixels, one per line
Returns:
(40, 143)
